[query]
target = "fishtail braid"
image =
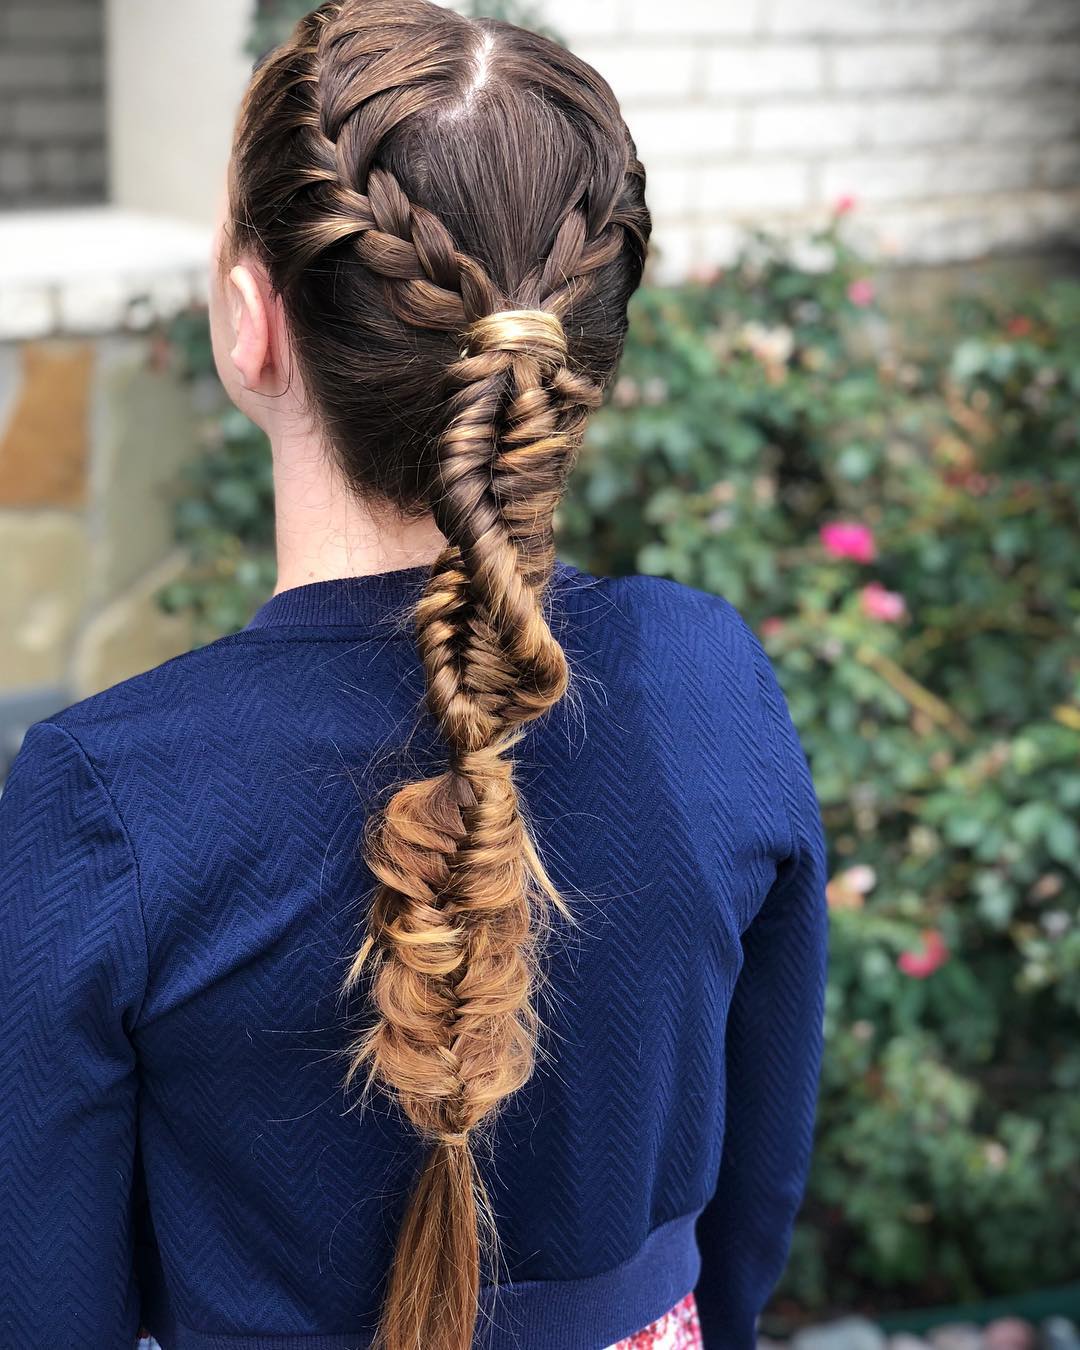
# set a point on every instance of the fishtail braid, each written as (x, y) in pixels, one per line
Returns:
(334, 124)
(458, 955)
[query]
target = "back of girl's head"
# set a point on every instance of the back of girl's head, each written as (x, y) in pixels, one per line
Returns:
(452, 214)
(404, 171)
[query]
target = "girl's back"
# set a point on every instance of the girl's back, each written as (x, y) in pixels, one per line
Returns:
(531, 855)
(192, 884)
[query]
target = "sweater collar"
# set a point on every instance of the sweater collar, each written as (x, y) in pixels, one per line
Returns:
(355, 602)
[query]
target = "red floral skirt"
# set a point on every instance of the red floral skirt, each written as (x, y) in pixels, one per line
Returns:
(678, 1329)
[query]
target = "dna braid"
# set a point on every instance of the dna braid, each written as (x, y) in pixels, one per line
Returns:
(456, 924)
(451, 953)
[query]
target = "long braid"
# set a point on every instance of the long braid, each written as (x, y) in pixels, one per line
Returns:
(462, 900)
(458, 917)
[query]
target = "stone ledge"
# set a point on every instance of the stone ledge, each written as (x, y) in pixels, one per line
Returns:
(96, 270)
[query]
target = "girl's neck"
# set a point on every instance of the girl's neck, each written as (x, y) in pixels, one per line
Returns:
(322, 531)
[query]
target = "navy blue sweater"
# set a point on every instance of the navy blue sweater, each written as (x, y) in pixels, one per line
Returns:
(181, 888)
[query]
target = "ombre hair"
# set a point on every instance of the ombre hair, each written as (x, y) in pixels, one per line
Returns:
(452, 213)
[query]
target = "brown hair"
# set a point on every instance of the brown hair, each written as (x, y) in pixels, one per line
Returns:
(452, 212)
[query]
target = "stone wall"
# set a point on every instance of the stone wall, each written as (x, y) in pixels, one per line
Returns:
(955, 123)
(94, 429)
(52, 102)
(85, 529)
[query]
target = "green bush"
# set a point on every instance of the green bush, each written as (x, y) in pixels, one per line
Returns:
(903, 533)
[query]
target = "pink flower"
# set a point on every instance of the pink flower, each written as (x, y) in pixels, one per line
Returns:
(705, 274)
(878, 603)
(933, 955)
(861, 292)
(771, 626)
(849, 539)
(844, 205)
(978, 484)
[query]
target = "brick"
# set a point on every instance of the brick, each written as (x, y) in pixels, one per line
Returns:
(934, 119)
(686, 131)
(720, 244)
(1059, 166)
(769, 68)
(1055, 217)
(1035, 120)
(44, 447)
(91, 170)
(1049, 16)
(740, 189)
(132, 633)
(975, 169)
(1009, 65)
(73, 171)
(878, 178)
(50, 119)
(696, 18)
(46, 566)
(848, 18)
(26, 312)
(673, 251)
(887, 65)
(35, 70)
(807, 125)
(55, 23)
(672, 190)
(16, 172)
(572, 19)
(637, 74)
(94, 305)
(882, 18)
(87, 69)
(60, 166)
(960, 228)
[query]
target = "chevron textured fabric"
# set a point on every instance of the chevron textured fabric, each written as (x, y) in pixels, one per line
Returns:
(181, 887)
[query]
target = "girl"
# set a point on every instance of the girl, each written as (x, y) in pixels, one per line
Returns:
(438, 961)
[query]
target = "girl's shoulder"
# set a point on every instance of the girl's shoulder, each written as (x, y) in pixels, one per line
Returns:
(665, 615)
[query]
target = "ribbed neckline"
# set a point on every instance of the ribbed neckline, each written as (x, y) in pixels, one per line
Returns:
(355, 602)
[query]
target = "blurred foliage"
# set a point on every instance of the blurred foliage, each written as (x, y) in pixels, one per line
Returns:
(904, 536)
(906, 539)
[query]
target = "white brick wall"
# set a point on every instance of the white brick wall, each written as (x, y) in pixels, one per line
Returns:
(777, 68)
(52, 102)
(954, 123)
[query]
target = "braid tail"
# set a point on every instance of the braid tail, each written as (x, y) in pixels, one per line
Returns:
(463, 900)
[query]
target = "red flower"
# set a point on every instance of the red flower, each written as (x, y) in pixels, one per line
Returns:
(882, 605)
(861, 292)
(771, 626)
(844, 205)
(933, 955)
(1019, 326)
(849, 539)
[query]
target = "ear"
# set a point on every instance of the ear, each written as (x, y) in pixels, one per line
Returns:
(251, 352)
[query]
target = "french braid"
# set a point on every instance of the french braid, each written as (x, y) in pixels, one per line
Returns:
(365, 96)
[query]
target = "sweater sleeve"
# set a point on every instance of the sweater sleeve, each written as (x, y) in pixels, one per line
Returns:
(774, 1044)
(72, 975)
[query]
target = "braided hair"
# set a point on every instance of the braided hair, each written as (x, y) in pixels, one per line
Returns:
(452, 213)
